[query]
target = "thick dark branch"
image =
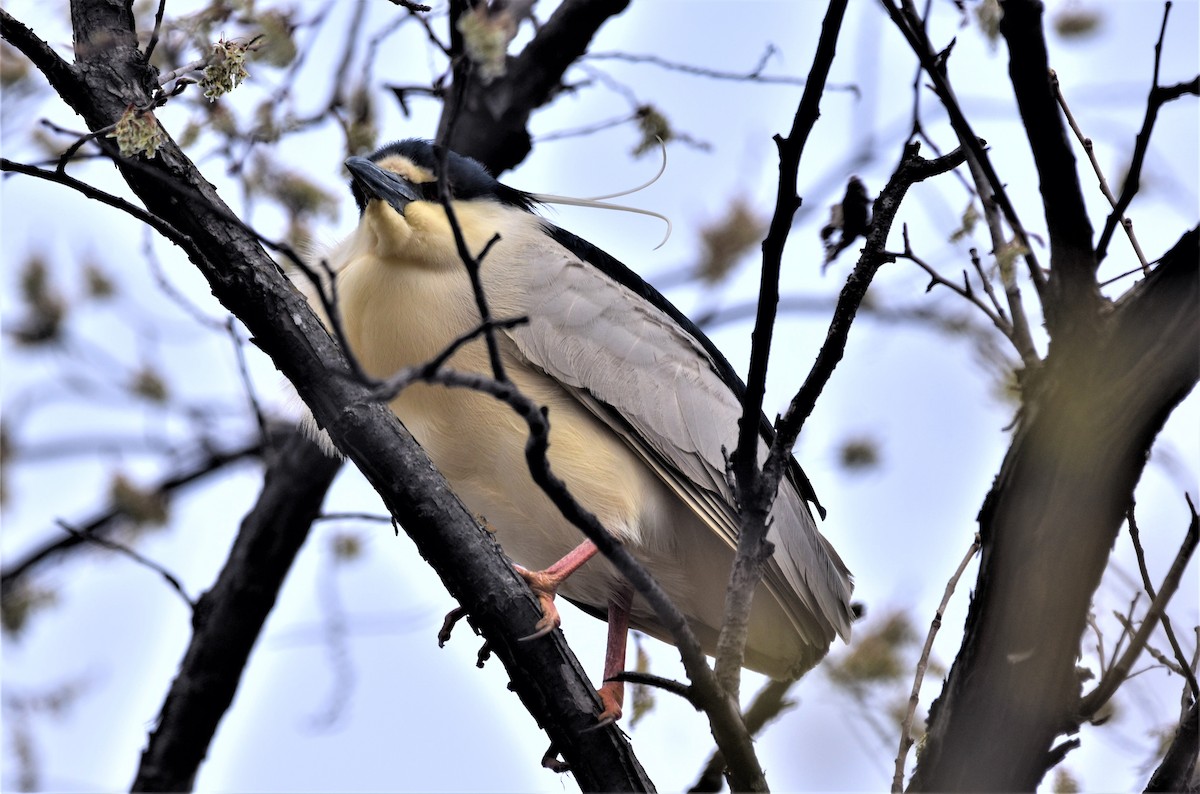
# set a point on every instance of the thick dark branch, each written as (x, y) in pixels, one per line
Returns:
(60, 73)
(1177, 770)
(493, 127)
(1073, 293)
(1048, 527)
(229, 618)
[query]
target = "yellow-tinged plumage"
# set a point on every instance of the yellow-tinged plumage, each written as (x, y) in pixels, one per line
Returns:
(640, 404)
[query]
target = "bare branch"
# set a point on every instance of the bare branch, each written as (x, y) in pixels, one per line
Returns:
(913, 29)
(155, 222)
(1104, 690)
(754, 494)
(964, 291)
(912, 169)
(1090, 149)
(770, 702)
(754, 75)
(1158, 96)
(1074, 296)
(134, 555)
(98, 526)
(229, 616)
(906, 740)
(1180, 656)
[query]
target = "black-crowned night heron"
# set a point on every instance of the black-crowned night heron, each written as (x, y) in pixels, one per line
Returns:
(641, 408)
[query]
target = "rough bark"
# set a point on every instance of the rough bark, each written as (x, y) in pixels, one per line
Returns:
(493, 119)
(1048, 526)
(1178, 772)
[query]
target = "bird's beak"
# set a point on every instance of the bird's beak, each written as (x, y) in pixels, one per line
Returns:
(379, 183)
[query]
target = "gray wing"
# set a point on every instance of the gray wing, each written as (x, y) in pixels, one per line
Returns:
(646, 376)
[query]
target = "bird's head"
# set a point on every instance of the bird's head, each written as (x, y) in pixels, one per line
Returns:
(397, 190)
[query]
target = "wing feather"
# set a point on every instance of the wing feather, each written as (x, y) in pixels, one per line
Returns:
(642, 368)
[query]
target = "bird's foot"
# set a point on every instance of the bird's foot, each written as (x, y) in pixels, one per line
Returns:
(612, 696)
(545, 587)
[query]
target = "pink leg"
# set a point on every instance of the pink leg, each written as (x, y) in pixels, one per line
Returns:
(545, 584)
(612, 693)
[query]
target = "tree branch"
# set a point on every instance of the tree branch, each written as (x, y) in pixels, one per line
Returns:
(1185, 667)
(912, 169)
(229, 617)
(99, 526)
(493, 128)
(770, 702)
(754, 495)
(1048, 526)
(60, 73)
(1133, 180)
(988, 181)
(1091, 704)
(1176, 772)
(550, 682)
(906, 740)
(1074, 296)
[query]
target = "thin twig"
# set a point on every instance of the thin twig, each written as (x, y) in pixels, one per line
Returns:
(1090, 148)
(159, 225)
(1100, 654)
(1091, 703)
(212, 462)
(158, 18)
(1141, 143)
(588, 129)
(987, 284)
(754, 75)
(177, 297)
(658, 682)
(964, 291)
(912, 169)
(472, 262)
(913, 30)
(354, 516)
(104, 542)
(1126, 628)
(906, 740)
(244, 371)
(391, 386)
(1185, 668)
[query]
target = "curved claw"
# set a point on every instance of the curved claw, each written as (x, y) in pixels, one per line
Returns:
(612, 696)
(544, 588)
